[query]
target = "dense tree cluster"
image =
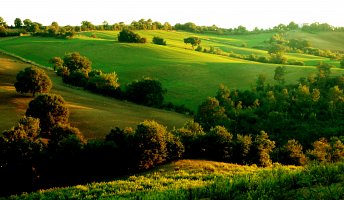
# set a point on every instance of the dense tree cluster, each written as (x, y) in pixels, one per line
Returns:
(306, 111)
(36, 153)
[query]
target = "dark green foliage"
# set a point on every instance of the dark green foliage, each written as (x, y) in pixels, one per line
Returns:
(146, 91)
(261, 149)
(150, 139)
(159, 40)
(60, 132)
(194, 41)
(51, 109)
(291, 153)
(306, 111)
(175, 148)
(105, 83)
(57, 62)
(192, 137)
(219, 145)
(32, 80)
(279, 74)
(131, 37)
(76, 78)
(342, 63)
(20, 148)
(74, 62)
(241, 150)
(324, 151)
(210, 114)
(18, 23)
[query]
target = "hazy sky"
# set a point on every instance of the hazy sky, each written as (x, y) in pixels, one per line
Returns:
(223, 13)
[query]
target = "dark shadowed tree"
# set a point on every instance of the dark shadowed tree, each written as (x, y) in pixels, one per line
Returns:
(151, 144)
(194, 41)
(51, 109)
(18, 23)
(279, 74)
(210, 114)
(147, 92)
(32, 80)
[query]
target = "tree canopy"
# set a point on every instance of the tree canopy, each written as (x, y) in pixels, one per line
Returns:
(32, 80)
(51, 109)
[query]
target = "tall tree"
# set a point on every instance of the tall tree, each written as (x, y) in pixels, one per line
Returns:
(18, 23)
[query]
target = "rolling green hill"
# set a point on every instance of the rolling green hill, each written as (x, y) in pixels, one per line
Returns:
(188, 76)
(199, 179)
(93, 114)
(324, 40)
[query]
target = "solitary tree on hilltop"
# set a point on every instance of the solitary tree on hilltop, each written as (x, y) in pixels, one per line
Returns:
(32, 80)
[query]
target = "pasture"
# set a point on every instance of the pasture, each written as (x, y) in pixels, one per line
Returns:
(93, 114)
(188, 76)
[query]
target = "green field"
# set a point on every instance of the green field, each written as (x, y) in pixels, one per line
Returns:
(93, 114)
(199, 179)
(188, 76)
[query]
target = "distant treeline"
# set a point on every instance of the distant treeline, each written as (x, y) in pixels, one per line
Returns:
(36, 28)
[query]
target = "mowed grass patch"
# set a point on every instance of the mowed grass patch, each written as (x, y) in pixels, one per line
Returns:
(188, 76)
(93, 114)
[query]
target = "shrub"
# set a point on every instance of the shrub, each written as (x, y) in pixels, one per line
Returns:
(146, 91)
(291, 153)
(159, 40)
(219, 144)
(104, 83)
(131, 37)
(76, 78)
(75, 62)
(192, 137)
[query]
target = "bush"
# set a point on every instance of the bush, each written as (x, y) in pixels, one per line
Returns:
(75, 62)
(159, 41)
(104, 83)
(219, 144)
(131, 37)
(76, 78)
(192, 137)
(147, 92)
(291, 153)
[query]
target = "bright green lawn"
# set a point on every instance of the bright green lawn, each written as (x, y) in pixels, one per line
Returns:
(188, 76)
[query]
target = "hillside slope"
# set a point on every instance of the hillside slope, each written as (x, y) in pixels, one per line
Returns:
(93, 114)
(188, 76)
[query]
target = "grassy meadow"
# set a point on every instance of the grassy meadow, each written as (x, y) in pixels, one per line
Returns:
(200, 179)
(188, 76)
(93, 114)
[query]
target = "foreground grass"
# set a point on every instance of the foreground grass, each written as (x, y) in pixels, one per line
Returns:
(188, 76)
(93, 114)
(195, 179)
